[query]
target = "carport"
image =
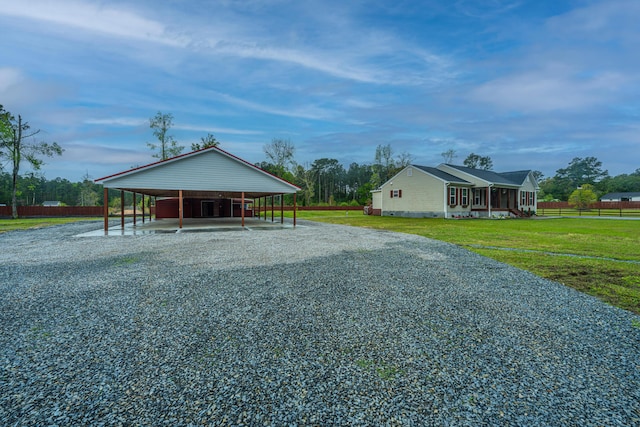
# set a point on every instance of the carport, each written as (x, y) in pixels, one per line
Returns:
(208, 174)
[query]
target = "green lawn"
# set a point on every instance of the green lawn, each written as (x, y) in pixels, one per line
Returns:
(27, 223)
(598, 256)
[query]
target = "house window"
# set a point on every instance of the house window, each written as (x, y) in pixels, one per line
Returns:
(395, 194)
(523, 198)
(476, 196)
(531, 198)
(452, 196)
(465, 196)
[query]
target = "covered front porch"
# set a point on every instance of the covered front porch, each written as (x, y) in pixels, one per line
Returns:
(495, 200)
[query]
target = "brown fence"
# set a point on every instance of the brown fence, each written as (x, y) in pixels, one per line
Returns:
(310, 208)
(61, 211)
(53, 211)
(619, 209)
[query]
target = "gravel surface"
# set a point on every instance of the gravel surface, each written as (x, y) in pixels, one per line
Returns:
(318, 325)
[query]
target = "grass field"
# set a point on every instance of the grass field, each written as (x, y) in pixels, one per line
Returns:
(600, 257)
(26, 223)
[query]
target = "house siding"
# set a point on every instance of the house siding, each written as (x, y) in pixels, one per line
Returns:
(422, 195)
(528, 187)
(446, 191)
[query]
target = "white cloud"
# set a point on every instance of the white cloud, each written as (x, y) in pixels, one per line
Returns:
(92, 17)
(9, 77)
(118, 121)
(550, 90)
(305, 112)
(213, 129)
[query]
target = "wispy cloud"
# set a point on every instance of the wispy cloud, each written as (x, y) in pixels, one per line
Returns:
(118, 121)
(93, 17)
(300, 111)
(550, 91)
(215, 130)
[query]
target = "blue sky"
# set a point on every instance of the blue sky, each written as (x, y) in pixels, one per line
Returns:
(532, 84)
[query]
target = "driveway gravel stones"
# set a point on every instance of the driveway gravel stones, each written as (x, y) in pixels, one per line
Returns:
(317, 325)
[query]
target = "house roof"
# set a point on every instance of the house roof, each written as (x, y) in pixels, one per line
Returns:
(517, 177)
(441, 174)
(505, 178)
(200, 174)
(621, 195)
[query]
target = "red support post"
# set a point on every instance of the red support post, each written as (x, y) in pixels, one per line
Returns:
(281, 209)
(180, 207)
(294, 209)
(106, 210)
(122, 209)
(134, 208)
(242, 209)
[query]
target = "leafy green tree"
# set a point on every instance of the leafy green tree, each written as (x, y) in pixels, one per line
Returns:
(582, 171)
(205, 142)
(329, 175)
(383, 163)
(88, 194)
(116, 204)
(358, 182)
(15, 149)
(620, 183)
(476, 161)
(304, 178)
(583, 197)
(168, 146)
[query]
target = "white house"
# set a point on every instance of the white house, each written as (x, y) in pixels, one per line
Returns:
(621, 197)
(455, 191)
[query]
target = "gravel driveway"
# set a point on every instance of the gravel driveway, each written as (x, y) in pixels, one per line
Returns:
(318, 325)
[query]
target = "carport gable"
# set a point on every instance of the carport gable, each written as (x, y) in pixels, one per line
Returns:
(211, 169)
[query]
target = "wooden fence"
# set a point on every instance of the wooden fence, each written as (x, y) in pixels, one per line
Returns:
(604, 209)
(52, 211)
(62, 211)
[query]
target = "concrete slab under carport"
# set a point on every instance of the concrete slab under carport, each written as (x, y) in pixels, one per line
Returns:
(190, 225)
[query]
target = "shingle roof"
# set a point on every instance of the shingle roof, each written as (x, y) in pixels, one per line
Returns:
(516, 176)
(506, 178)
(441, 174)
(620, 195)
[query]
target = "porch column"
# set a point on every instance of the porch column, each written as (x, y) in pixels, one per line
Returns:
(272, 208)
(242, 209)
(134, 208)
(180, 208)
(489, 201)
(122, 209)
(143, 208)
(106, 210)
(281, 209)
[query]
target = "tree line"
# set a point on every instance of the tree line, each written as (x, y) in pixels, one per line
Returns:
(325, 181)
